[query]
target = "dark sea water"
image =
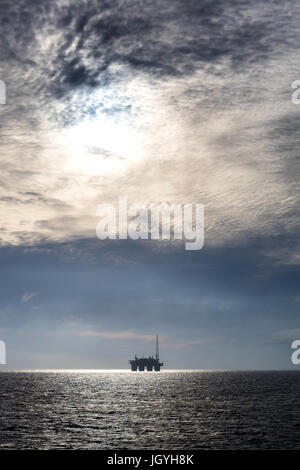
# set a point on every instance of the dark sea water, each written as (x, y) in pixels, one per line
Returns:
(165, 410)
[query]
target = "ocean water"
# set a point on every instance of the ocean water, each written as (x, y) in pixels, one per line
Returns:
(136, 410)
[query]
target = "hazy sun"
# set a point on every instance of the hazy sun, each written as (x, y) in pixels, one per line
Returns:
(100, 145)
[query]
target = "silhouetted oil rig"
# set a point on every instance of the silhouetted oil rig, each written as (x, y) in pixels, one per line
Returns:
(148, 363)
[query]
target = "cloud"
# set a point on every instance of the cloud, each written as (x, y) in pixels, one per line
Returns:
(288, 334)
(188, 343)
(116, 335)
(178, 101)
(28, 296)
(166, 341)
(130, 335)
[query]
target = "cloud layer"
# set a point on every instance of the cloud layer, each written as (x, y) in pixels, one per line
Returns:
(176, 101)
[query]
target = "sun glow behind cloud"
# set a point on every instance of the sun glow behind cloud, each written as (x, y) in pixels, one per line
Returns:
(104, 137)
(100, 145)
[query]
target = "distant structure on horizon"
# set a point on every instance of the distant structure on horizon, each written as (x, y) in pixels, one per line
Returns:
(149, 363)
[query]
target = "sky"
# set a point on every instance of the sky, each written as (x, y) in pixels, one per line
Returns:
(182, 101)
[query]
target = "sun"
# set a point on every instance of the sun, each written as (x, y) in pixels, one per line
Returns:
(101, 145)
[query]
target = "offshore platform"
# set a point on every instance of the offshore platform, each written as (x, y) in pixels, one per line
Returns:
(149, 363)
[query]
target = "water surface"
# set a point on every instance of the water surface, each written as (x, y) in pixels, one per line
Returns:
(164, 410)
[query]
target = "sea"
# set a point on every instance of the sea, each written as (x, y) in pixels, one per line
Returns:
(149, 410)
